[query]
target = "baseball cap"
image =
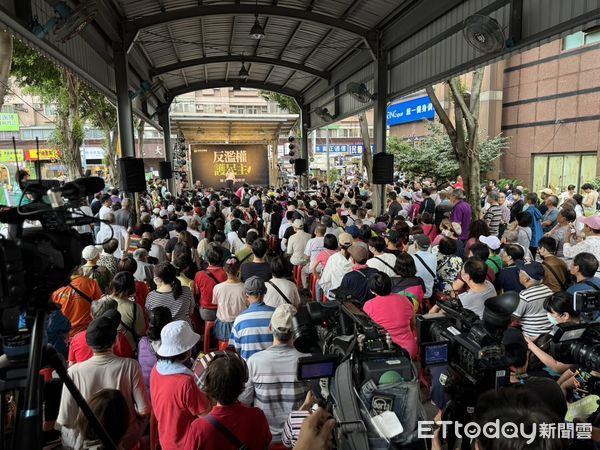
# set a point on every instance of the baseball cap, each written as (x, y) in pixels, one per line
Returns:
(90, 252)
(176, 338)
(345, 239)
(547, 191)
(171, 208)
(422, 241)
(534, 270)
(457, 228)
(417, 196)
(156, 211)
(358, 252)
(282, 319)
(593, 221)
(163, 213)
(491, 241)
(313, 204)
(298, 224)
(254, 286)
(102, 332)
(353, 231)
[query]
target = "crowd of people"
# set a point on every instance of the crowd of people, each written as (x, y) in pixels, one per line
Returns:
(182, 310)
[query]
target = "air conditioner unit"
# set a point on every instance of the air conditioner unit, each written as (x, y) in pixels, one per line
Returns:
(38, 106)
(19, 107)
(199, 107)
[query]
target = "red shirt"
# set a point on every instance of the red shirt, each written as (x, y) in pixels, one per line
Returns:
(80, 351)
(394, 313)
(141, 292)
(246, 423)
(323, 257)
(205, 284)
(176, 401)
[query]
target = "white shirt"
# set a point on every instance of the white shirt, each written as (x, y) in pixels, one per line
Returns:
(296, 246)
(282, 229)
(120, 234)
(313, 247)
(428, 278)
(379, 262)
(83, 211)
(337, 266)
(289, 289)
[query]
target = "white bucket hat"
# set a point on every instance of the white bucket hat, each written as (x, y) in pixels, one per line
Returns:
(176, 338)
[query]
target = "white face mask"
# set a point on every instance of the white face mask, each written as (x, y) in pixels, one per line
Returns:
(446, 233)
(553, 320)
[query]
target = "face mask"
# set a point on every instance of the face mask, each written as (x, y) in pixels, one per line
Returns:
(553, 320)
(446, 233)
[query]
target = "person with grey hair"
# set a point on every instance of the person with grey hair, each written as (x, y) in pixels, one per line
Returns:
(145, 270)
(125, 216)
(272, 372)
(550, 217)
(112, 230)
(461, 213)
(80, 351)
(493, 215)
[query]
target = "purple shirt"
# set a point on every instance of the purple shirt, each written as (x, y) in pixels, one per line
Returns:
(462, 213)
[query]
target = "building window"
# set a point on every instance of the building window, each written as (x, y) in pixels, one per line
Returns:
(581, 38)
(557, 171)
(50, 109)
(8, 109)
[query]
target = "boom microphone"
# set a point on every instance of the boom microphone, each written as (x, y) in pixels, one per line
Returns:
(82, 187)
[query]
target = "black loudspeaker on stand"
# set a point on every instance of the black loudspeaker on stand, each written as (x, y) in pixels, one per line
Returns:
(383, 168)
(133, 177)
(165, 170)
(300, 166)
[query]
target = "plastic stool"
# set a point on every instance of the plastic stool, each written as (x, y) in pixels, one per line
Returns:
(223, 345)
(298, 276)
(313, 287)
(208, 327)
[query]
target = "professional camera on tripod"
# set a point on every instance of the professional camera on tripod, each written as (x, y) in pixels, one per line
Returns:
(33, 264)
(472, 349)
(372, 388)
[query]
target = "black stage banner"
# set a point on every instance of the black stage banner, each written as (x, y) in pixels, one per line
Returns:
(250, 164)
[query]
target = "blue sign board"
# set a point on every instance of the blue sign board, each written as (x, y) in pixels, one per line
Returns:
(410, 111)
(351, 149)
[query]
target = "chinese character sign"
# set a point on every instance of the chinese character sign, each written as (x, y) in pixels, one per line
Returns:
(410, 111)
(9, 122)
(249, 163)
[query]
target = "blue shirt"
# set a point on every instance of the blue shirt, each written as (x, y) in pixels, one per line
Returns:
(583, 286)
(536, 226)
(250, 332)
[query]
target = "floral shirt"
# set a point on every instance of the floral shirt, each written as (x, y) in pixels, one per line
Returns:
(448, 268)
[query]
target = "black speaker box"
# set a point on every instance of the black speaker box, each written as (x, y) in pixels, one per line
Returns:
(132, 175)
(383, 168)
(165, 170)
(300, 166)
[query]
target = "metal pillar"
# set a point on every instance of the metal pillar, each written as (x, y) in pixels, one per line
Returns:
(380, 125)
(305, 125)
(124, 113)
(164, 121)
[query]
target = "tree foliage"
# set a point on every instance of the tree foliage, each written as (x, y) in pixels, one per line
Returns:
(76, 104)
(433, 156)
(6, 49)
(283, 101)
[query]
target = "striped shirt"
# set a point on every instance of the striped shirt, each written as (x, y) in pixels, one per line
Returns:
(530, 311)
(181, 307)
(493, 217)
(250, 332)
(273, 385)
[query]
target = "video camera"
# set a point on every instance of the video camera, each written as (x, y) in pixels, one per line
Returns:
(356, 355)
(579, 343)
(471, 347)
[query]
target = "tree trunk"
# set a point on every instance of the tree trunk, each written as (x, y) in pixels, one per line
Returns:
(111, 138)
(6, 50)
(70, 127)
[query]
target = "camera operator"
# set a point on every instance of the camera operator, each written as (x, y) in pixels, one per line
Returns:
(474, 272)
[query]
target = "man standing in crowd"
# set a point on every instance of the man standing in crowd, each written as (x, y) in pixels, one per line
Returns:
(272, 383)
(461, 213)
(530, 312)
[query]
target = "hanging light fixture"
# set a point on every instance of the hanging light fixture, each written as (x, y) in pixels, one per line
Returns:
(257, 32)
(243, 71)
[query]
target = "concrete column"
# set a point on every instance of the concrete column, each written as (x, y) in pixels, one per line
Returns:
(380, 123)
(165, 122)
(124, 114)
(304, 126)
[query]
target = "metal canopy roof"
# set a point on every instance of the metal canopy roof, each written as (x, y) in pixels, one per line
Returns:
(311, 50)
